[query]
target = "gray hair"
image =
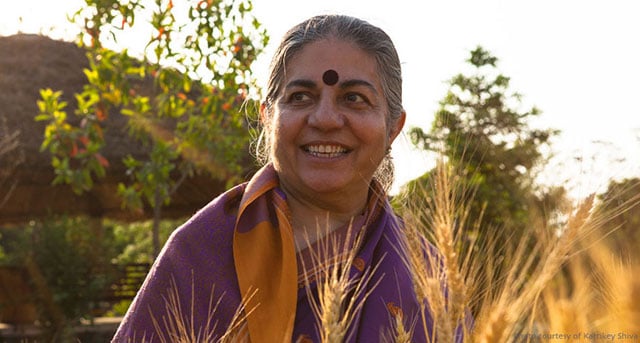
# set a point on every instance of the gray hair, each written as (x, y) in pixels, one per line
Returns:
(366, 36)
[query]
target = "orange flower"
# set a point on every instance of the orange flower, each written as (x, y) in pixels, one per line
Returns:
(74, 150)
(101, 113)
(84, 140)
(103, 161)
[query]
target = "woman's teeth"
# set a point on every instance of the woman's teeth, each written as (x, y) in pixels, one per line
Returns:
(325, 150)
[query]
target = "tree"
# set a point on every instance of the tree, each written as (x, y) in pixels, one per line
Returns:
(481, 130)
(182, 97)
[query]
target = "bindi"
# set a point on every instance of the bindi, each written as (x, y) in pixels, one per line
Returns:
(330, 77)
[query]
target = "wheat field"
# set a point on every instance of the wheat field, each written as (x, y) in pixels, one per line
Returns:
(567, 286)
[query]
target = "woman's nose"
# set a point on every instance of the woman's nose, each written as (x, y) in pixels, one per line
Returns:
(326, 115)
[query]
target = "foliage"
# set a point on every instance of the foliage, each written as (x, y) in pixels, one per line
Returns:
(484, 134)
(72, 255)
(76, 256)
(131, 241)
(15, 244)
(183, 99)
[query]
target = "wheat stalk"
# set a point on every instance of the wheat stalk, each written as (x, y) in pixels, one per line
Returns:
(567, 310)
(447, 281)
(439, 274)
(500, 318)
(449, 209)
(179, 324)
(338, 294)
(400, 334)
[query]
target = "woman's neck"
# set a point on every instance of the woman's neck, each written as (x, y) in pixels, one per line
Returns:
(312, 219)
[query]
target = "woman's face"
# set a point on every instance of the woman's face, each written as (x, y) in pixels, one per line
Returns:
(330, 136)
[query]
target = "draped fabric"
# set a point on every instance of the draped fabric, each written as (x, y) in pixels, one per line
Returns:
(232, 269)
(265, 259)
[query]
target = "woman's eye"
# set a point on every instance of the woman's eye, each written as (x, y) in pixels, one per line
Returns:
(354, 98)
(298, 97)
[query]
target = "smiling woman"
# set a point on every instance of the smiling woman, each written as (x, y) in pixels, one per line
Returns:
(309, 249)
(328, 140)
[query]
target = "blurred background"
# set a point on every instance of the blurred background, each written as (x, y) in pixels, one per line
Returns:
(119, 119)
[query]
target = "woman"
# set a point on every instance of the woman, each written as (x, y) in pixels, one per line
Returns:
(248, 264)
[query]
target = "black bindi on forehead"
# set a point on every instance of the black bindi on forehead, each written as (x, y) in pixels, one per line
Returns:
(330, 77)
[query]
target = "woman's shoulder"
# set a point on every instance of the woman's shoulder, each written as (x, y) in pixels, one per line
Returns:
(225, 204)
(217, 217)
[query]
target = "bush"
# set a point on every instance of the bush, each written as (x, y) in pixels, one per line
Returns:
(73, 255)
(132, 241)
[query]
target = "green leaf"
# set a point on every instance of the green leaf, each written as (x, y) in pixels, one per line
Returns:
(127, 112)
(42, 117)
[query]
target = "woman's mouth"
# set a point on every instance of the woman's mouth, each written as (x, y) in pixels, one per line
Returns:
(325, 150)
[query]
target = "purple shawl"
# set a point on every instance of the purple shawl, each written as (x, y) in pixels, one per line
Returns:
(195, 278)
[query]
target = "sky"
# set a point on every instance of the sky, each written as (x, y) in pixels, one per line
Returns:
(576, 60)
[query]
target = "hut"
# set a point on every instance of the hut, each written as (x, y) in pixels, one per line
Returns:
(29, 63)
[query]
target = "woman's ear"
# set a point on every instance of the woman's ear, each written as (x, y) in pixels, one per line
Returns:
(396, 127)
(263, 114)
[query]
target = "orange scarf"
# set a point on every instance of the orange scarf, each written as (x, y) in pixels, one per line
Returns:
(265, 259)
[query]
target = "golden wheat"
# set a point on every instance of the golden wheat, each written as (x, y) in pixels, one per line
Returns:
(338, 294)
(179, 325)
(569, 283)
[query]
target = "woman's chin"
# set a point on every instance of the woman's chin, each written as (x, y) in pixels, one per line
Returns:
(331, 182)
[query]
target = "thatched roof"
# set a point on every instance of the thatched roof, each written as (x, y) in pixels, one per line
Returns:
(29, 63)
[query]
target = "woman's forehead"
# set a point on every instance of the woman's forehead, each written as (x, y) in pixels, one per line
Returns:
(329, 60)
